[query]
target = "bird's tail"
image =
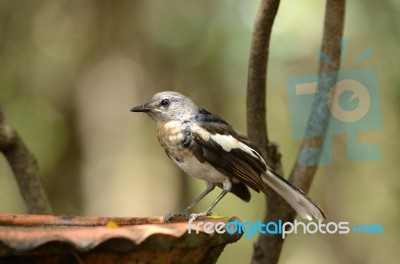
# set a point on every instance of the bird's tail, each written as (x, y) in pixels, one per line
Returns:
(300, 202)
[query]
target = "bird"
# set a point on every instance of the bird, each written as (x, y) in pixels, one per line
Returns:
(205, 146)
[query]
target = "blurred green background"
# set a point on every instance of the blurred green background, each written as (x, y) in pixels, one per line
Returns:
(70, 71)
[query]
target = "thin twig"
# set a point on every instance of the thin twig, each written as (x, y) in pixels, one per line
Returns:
(24, 167)
(268, 247)
(257, 128)
(256, 83)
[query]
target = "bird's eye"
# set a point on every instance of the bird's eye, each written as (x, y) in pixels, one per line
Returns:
(165, 103)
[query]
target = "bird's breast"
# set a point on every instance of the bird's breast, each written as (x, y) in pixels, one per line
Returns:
(174, 138)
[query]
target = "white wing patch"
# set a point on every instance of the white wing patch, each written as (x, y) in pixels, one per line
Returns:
(227, 142)
(202, 132)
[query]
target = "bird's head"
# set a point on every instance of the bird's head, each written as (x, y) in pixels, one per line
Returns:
(168, 106)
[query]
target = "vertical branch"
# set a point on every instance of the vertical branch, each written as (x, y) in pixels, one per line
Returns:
(24, 167)
(268, 247)
(256, 83)
(318, 121)
(256, 106)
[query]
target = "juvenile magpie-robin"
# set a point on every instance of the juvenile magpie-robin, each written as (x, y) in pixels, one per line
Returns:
(205, 146)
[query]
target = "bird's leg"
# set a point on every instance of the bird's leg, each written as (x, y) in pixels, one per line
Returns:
(210, 187)
(187, 210)
(227, 187)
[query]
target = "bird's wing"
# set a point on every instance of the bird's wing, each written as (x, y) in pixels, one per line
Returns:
(228, 152)
(234, 155)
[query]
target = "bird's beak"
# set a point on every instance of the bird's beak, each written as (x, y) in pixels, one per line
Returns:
(141, 108)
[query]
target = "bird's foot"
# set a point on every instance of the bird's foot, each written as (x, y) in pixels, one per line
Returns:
(177, 217)
(193, 217)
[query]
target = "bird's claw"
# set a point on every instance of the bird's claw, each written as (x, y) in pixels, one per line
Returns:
(184, 215)
(175, 217)
(193, 217)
